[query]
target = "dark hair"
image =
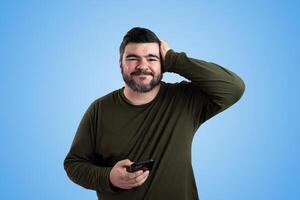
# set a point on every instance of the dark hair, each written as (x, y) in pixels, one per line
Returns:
(138, 35)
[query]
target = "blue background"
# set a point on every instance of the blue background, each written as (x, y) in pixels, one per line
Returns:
(59, 56)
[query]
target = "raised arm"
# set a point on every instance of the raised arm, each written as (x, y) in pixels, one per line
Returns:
(214, 86)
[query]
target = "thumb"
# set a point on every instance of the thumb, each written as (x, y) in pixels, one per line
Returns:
(125, 162)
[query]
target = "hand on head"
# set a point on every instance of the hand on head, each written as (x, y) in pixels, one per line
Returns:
(164, 48)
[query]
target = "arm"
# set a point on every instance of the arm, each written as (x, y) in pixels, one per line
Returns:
(80, 162)
(82, 170)
(213, 88)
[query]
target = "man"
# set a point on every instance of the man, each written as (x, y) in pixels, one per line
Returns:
(149, 119)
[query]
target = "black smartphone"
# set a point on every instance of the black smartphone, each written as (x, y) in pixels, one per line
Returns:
(142, 165)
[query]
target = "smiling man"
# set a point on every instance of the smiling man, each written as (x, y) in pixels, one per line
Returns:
(149, 119)
(140, 76)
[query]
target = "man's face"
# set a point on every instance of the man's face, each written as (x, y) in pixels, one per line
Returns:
(141, 67)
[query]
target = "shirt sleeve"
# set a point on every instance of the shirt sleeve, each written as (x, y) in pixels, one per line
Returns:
(212, 88)
(80, 162)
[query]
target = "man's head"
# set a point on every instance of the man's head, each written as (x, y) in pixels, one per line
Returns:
(140, 59)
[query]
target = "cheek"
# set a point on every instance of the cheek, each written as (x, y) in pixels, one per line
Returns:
(124, 67)
(127, 69)
(157, 69)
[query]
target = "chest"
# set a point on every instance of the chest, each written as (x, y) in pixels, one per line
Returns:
(142, 134)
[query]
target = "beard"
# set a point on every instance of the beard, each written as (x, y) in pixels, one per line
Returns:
(141, 88)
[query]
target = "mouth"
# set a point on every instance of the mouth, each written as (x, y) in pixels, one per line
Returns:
(142, 74)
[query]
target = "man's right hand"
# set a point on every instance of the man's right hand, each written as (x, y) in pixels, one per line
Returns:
(120, 178)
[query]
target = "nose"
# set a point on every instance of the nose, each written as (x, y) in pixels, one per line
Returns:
(143, 64)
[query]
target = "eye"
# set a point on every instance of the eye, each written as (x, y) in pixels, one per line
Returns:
(132, 59)
(152, 59)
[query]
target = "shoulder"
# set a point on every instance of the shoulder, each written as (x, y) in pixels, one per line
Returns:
(184, 89)
(95, 106)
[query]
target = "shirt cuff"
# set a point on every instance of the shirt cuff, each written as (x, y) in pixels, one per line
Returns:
(105, 184)
(170, 59)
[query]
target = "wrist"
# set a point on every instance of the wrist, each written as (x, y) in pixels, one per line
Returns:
(167, 61)
(111, 185)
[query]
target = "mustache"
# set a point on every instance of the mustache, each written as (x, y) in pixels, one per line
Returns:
(141, 72)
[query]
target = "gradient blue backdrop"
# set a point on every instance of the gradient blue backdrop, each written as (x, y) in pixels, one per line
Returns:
(59, 56)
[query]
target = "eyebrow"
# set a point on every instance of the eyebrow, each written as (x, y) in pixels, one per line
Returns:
(136, 56)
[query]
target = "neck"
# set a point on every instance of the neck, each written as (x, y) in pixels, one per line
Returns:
(138, 98)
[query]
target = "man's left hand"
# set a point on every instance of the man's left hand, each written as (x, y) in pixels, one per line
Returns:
(164, 48)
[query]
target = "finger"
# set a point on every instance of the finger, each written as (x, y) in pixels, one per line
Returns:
(144, 175)
(135, 174)
(130, 182)
(125, 162)
(133, 181)
(141, 181)
(140, 178)
(161, 39)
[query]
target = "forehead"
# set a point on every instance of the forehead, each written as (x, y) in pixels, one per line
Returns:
(142, 48)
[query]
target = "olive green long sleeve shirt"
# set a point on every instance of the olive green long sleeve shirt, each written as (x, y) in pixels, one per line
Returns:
(112, 129)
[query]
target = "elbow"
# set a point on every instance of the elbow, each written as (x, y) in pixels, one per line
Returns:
(232, 93)
(67, 164)
(67, 168)
(238, 90)
(71, 171)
